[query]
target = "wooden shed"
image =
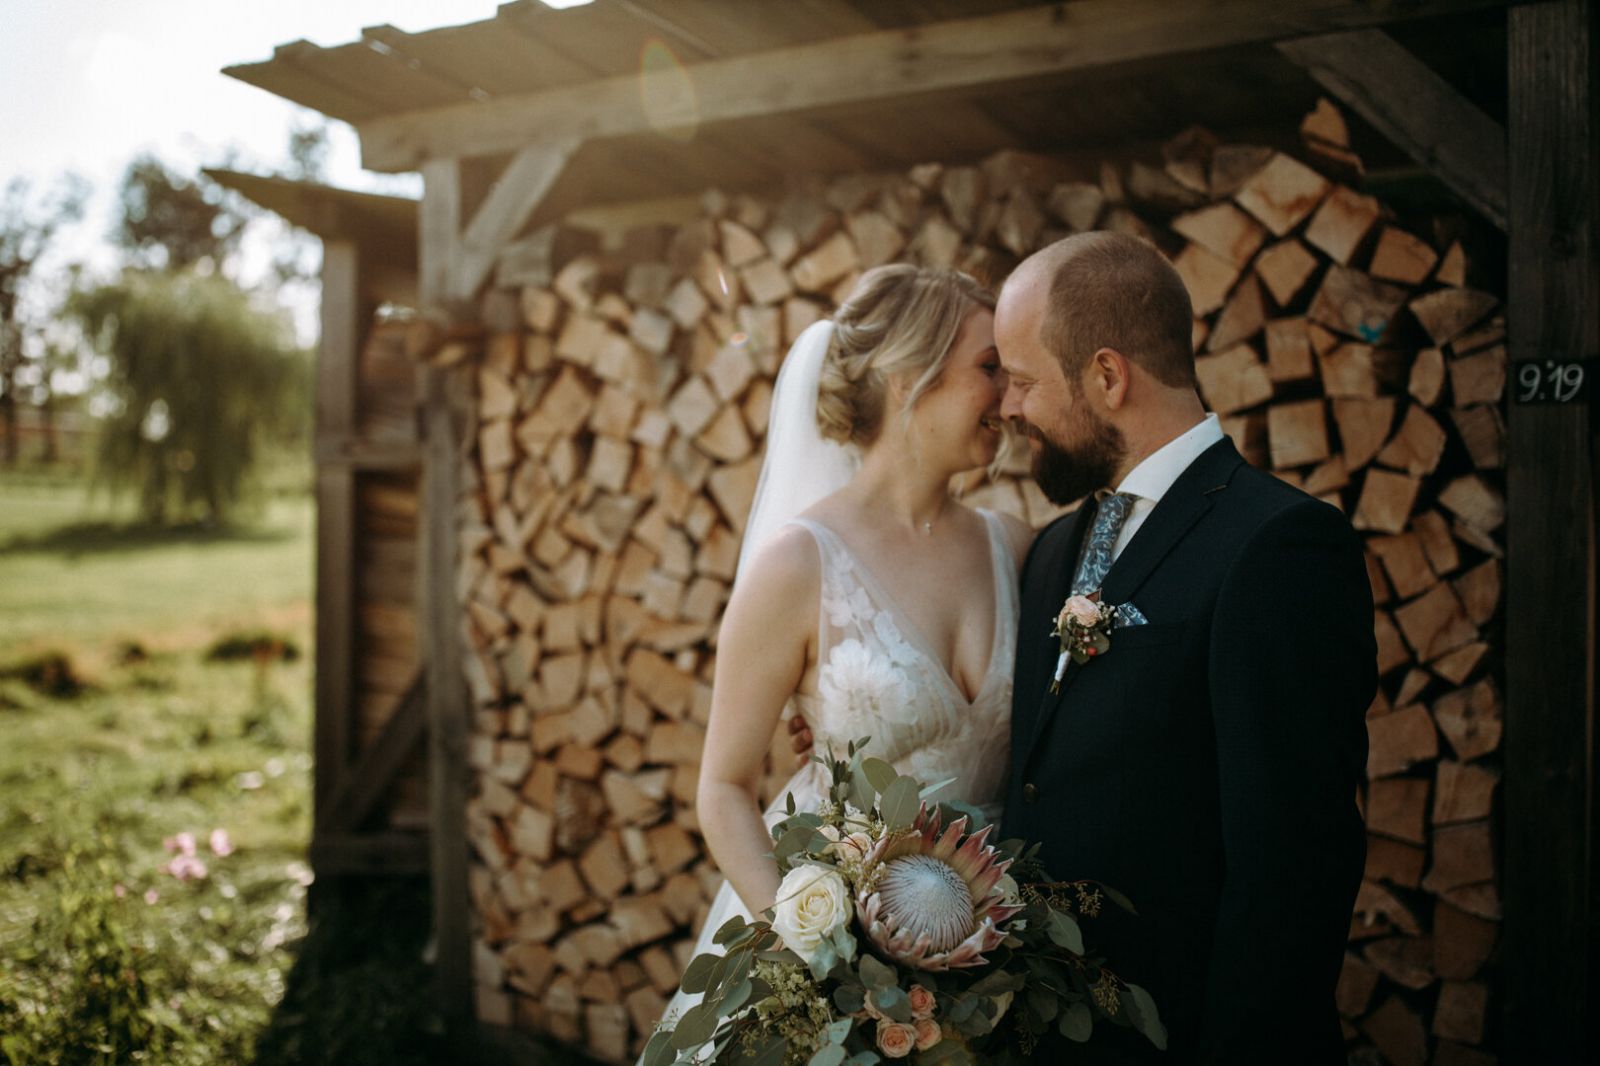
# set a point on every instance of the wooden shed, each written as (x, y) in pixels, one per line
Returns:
(1369, 274)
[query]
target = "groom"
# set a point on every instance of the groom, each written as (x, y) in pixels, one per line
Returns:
(1206, 763)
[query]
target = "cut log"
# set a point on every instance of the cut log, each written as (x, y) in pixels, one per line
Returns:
(1284, 269)
(1479, 589)
(1463, 793)
(1405, 960)
(1462, 942)
(1223, 230)
(1470, 720)
(1434, 533)
(1363, 427)
(1427, 377)
(1392, 650)
(1386, 500)
(1325, 123)
(1208, 277)
(1282, 193)
(1398, 1032)
(1405, 562)
(1398, 807)
(1289, 356)
(1452, 267)
(1077, 204)
(1356, 305)
(1402, 257)
(1350, 370)
(1357, 979)
(1342, 223)
(1462, 855)
(1399, 739)
(1233, 380)
(1418, 445)
(1474, 502)
(1483, 434)
(1478, 378)
(1448, 313)
(1435, 623)
(1462, 1011)
(1394, 862)
(1457, 666)
(1298, 433)
(1242, 317)
(1379, 912)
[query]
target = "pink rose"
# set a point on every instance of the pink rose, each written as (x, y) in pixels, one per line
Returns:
(896, 1040)
(182, 844)
(1082, 610)
(928, 1033)
(186, 868)
(922, 1002)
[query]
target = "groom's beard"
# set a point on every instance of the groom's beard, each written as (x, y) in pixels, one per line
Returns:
(1068, 472)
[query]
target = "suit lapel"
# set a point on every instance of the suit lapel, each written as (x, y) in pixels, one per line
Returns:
(1179, 509)
(1055, 586)
(1177, 512)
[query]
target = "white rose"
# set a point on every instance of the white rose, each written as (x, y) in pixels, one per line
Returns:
(812, 903)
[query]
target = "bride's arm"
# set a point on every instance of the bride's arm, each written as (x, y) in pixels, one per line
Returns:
(762, 652)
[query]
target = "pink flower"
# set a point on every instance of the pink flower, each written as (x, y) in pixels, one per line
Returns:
(186, 868)
(896, 1040)
(922, 1002)
(1082, 610)
(928, 1033)
(182, 844)
(221, 843)
(119, 890)
(151, 895)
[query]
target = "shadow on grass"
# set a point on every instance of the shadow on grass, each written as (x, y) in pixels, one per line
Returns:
(359, 991)
(104, 538)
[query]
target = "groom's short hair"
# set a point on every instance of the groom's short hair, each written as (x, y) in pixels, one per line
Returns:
(1111, 290)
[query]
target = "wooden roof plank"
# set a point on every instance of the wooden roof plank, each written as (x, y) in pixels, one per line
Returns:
(307, 88)
(360, 69)
(960, 55)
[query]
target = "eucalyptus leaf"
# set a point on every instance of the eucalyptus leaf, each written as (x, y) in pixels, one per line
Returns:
(1147, 1019)
(899, 803)
(696, 976)
(1118, 898)
(781, 955)
(697, 1025)
(1077, 1023)
(862, 792)
(828, 1055)
(659, 1051)
(734, 998)
(892, 1001)
(822, 960)
(772, 1053)
(1064, 931)
(876, 974)
(928, 790)
(808, 818)
(950, 810)
(795, 840)
(837, 1031)
(879, 773)
(729, 930)
(863, 1058)
(850, 999)
(1043, 1003)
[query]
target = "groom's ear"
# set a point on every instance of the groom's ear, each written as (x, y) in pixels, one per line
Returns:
(1109, 374)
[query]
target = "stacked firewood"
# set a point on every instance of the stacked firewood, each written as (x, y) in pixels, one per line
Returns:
(621, 403)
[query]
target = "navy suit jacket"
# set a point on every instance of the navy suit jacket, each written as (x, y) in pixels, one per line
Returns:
(1207, 764)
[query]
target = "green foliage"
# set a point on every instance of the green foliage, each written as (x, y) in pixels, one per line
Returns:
(171, 222)
(50, 673)
(253, 645)
(100, 1006)
(201, 385)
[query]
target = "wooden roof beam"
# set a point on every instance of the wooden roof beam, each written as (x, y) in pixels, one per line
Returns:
(1415, 108)
(510, 203)
(956, 55)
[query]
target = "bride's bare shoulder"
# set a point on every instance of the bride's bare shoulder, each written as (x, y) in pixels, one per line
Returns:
(1018, 534)
(784, 570)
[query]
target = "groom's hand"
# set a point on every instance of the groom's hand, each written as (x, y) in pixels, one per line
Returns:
(800, 739)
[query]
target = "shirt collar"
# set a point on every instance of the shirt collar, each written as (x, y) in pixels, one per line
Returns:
(1151, 479)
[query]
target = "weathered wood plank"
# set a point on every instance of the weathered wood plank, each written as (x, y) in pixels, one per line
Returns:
(1554, 273)
(379, 854)
(957, 54)
(1415, 108)
(371, 776)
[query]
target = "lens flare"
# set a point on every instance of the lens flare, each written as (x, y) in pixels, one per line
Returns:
(666, 92)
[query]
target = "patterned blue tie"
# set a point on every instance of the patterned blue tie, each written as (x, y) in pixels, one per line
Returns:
(1095, 562)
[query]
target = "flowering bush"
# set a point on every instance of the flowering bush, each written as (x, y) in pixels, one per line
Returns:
(900, 932)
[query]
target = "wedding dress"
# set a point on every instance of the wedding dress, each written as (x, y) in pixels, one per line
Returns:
(877, 676)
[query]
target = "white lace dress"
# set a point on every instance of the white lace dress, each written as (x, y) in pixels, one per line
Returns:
(879, 677)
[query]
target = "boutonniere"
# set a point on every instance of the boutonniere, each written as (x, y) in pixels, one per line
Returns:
(1084, 629)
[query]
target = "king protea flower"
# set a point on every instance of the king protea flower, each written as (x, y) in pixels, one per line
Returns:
(931, 901)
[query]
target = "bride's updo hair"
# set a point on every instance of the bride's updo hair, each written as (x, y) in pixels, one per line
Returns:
(900, 321)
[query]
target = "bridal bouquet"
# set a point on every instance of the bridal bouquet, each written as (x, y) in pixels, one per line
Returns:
(900, 932)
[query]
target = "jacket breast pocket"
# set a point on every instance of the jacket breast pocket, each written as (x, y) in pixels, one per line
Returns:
(1150, 635)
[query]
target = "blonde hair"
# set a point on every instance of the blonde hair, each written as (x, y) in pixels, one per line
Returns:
(899, 321)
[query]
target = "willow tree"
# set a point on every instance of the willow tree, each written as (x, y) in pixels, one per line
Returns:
(198, 386)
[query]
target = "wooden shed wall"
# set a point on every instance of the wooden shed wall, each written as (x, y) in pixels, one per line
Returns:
(614, 447)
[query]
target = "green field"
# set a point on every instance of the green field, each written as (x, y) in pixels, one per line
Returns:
(118, 733)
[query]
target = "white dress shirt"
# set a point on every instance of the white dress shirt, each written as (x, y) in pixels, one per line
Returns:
(1151, 479)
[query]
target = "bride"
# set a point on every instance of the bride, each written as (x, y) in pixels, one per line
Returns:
(867, 599)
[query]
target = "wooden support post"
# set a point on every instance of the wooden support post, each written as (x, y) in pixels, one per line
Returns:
(370, 778)
(1413, 107)
(507, 207)
(343, 315)
(440, 229)
(1550, 551)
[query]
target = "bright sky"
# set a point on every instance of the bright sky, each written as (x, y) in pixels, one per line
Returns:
(86, 84)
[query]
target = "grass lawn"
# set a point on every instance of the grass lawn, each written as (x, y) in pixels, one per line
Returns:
(118, 946)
